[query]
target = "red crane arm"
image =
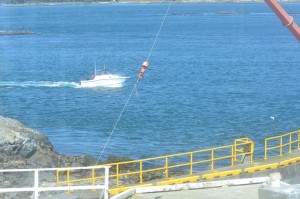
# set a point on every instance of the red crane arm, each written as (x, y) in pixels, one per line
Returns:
(287, 20)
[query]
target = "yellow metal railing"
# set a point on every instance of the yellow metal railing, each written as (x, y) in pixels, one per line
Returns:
(89, 174)
(139, 168)
(205, 159)
(282, 144)
(246, 147)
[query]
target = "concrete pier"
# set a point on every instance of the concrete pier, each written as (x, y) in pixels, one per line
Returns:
(240, 192)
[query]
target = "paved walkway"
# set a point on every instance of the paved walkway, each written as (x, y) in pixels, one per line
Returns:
(239, 192)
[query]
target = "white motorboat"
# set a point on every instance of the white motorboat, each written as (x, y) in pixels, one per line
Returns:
(104, 80)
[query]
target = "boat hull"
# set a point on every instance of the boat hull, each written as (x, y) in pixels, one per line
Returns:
(108, 82)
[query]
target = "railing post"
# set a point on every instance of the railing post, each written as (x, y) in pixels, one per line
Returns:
(266, 148)
(36, 184)
(106, 182)
(167, 167)
(280, 145)
(141, 172)
(191, 163)
(93, 177)
(117, 174)
(212, 159)
(290, 151)
(298, 139)
(68, 180)
(57, 176)
(234, 152)
(252, 151)
(233, 156)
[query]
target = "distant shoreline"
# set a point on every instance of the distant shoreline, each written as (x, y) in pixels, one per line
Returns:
(147, 2)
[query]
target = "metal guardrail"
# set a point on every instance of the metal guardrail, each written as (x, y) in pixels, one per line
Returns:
(282, 144)
(242, 147)
(189, 160)
(38, 188)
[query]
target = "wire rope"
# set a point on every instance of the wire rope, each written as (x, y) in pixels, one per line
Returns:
(159, 30)
(134, 87)
(117, 121)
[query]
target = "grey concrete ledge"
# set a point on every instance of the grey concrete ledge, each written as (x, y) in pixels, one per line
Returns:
(191, 186)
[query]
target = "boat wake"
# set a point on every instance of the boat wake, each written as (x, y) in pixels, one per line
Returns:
(38, 84)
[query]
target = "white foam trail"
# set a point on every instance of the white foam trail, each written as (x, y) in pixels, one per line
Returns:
(40, 84)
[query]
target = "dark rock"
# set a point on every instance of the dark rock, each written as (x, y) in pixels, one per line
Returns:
(126, 167)
(19, 143)
(22, 147)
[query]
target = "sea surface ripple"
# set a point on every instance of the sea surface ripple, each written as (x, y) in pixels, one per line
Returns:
(218, 72)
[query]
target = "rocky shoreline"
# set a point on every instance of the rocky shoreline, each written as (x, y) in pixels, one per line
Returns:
(23, 148)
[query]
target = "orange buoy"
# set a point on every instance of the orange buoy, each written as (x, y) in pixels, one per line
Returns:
(143, 69)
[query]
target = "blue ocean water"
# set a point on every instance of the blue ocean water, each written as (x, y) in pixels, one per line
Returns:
(213, 76)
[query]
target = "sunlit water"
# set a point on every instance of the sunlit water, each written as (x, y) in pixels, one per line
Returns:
(213, 76)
